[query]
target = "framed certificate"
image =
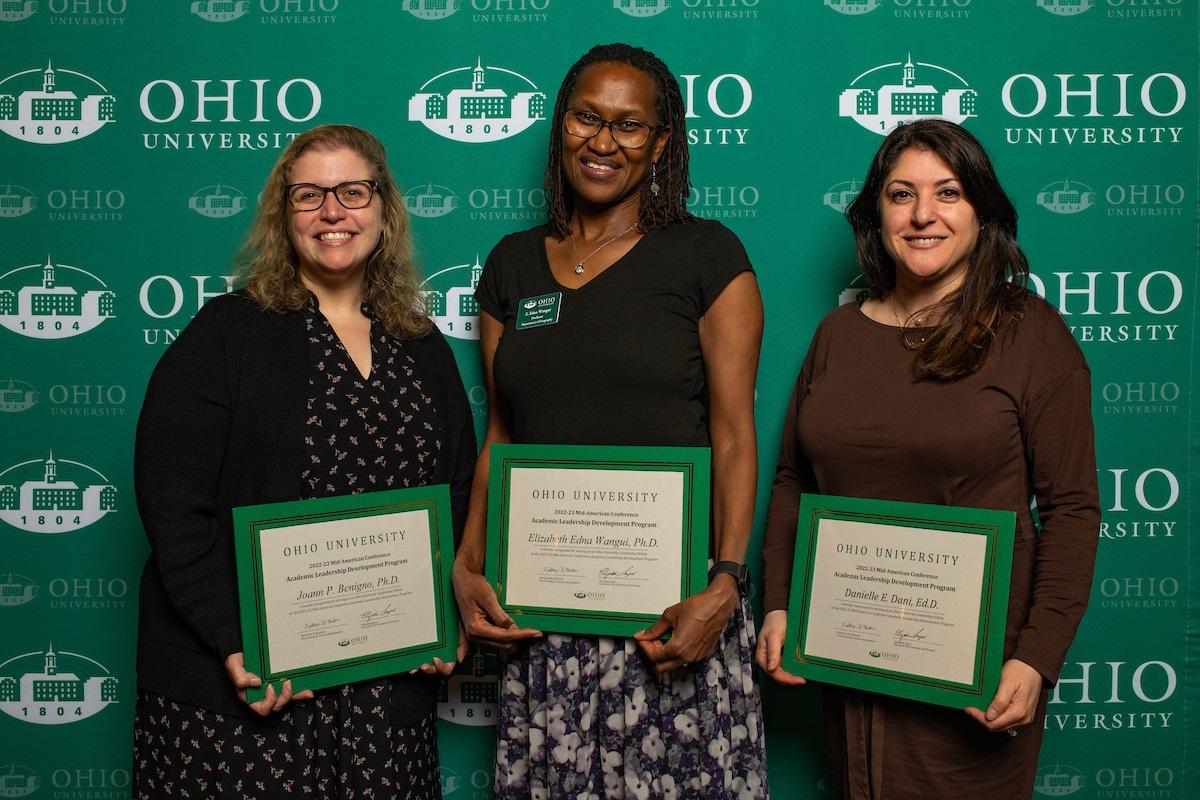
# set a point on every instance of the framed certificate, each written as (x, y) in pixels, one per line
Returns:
(596, 540)
(903, 599)
(341, 589)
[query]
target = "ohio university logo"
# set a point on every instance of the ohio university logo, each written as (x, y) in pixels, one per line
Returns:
(841, 195)
(641, 8)
(15, 590)
(880, 107)
(66, 302)
(1058, 780)
(53, 113)
(217, 202)
(35, 497)
(431, 9)
(220, 10)
(15, 11)
(499, 103)
(430, 200)
(450, 299)
(1065, 8)
(16, 396)
(1066, 197)
(16, 201)
(470, 695)
(18, 781)
(853, 7)
(35, 687)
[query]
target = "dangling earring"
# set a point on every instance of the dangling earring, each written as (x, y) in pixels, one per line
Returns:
(654, 178)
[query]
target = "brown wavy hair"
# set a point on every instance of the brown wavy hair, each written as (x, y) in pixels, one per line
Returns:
(655, 211)
(993, 289)
(267, 262)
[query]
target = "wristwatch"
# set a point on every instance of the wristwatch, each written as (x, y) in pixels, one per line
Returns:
(740, 572)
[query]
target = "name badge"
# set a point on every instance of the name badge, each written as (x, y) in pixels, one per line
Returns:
(534, 312)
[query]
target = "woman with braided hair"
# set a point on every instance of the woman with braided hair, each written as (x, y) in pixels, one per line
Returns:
(656, 343)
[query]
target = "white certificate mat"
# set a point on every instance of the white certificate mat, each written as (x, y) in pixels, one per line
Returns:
(578, 537)
(902, 597)
(347, 588)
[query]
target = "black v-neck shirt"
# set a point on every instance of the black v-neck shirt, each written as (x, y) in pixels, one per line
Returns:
(622, 365)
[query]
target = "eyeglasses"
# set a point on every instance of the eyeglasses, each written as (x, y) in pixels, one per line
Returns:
(625, 132)
(310, 196)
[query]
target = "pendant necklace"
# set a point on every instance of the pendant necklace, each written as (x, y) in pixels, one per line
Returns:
(918, 322)
(579, 261)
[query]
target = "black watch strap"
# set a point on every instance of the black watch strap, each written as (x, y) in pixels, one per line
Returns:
(740, 572)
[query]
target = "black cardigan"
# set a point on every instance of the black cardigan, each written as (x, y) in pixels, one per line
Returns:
(223, 426)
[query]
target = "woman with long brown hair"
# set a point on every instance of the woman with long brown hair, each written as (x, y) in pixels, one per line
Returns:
(952, 385)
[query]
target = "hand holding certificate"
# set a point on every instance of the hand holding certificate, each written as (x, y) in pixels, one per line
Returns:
(344, 589)
(900, 598)
(596, 539)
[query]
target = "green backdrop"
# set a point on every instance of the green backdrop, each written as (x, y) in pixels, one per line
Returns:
(137, 135)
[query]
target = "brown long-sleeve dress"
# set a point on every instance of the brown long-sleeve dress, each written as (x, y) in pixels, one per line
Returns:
(1019, 427)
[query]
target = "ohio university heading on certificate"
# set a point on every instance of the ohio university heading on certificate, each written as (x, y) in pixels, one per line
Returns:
(899, 554)
(605, 496)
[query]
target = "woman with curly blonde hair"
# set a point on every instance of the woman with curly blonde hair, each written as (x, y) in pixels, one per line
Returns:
(321, 377)
(268, 259)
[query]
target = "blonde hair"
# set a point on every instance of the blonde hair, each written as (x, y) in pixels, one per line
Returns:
(267, 261)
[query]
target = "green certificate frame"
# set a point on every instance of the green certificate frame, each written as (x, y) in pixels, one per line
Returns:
(596, 539)
(342, 589)
(905, 599)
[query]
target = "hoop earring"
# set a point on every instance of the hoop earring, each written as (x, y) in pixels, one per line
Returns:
(654, 178)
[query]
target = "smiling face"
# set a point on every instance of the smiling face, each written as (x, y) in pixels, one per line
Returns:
(332, 242)
(602, 173)
(929, 228)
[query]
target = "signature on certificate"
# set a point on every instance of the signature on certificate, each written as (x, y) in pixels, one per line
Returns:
(377, 613)
(628, 572)
(858, 626)
(903, 635)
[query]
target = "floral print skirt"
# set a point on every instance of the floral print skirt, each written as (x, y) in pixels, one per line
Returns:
(340, 744)
(587, 718)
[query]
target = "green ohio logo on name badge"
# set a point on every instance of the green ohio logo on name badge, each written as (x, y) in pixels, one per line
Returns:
(535, 312)
(18, 781)
(55, 687)
(54, 495)
(477, 105)
(16, 201)
(67, 105)
(450, 300)
(880, 107)
(1066, 197)
(430, 200)
(218, 202)
(66, 302)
